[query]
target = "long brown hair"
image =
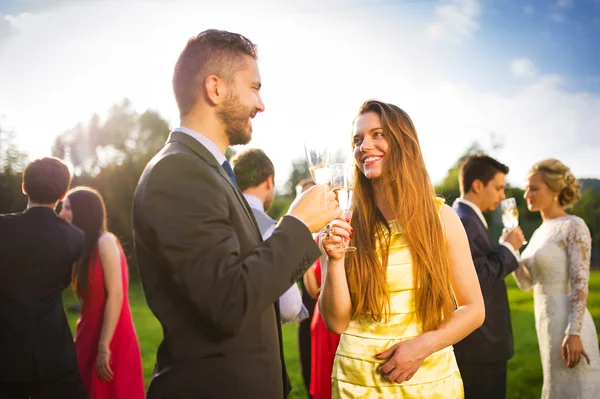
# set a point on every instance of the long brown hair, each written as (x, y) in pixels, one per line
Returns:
(406, 187)
(89, 214)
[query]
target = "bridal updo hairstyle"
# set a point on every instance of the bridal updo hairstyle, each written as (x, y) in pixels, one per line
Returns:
(558, 177)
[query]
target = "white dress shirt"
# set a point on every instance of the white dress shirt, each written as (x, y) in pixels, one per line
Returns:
(205, 141)
(478, 212)
(290, 302)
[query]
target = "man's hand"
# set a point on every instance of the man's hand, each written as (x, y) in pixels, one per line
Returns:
(514, 237)
(315, 207)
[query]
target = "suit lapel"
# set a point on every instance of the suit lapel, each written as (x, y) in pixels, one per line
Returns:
(203, 152)
(467, 210)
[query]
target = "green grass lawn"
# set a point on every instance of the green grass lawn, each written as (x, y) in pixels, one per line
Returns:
(524, 369)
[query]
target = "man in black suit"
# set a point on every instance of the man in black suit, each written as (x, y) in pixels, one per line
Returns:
(207, 275)
(482, 356)
(37, 253)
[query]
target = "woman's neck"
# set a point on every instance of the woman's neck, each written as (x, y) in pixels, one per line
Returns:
(552, 212)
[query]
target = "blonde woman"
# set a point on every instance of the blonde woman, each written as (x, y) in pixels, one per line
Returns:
(393, 300)
(556, 264)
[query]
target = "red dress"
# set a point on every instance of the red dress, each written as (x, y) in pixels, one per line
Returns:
(125, 362)
(324, 343)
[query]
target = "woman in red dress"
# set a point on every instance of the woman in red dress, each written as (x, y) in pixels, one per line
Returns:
(108, 351)
(324, 343)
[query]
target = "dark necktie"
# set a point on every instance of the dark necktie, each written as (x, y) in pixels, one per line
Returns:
(227, 166)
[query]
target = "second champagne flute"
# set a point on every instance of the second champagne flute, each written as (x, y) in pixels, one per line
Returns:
(342, 184)
(317, 157)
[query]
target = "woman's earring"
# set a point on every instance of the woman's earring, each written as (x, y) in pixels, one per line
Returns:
(555, 198)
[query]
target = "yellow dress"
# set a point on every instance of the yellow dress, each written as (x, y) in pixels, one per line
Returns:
(355, 368)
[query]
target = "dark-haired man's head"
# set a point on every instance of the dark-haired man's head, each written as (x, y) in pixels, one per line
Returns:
(216, 78)
(482, 181)
(255, 174)
(46, 181)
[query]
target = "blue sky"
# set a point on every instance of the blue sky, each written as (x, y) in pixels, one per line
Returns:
(560, 37)
(527, 72)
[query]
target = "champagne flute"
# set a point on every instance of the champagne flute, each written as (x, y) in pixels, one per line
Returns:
(342, 184)
(317, 156)
(510, 214)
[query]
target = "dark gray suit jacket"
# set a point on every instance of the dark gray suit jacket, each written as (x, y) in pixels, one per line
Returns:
(493, 341)
(210, 279)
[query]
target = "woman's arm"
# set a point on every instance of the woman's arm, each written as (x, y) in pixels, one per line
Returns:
(407, 356)
(311, 285)
(523, 277)
(579, 248)
(110, 257)
(470, 313)
(335, 304)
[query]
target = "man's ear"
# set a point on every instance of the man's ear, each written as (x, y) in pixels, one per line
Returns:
(62, 196)
(477, 186)
(23, 188)
(215, 89)
(270, 182)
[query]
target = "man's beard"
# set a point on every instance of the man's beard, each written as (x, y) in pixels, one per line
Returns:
(236, 117)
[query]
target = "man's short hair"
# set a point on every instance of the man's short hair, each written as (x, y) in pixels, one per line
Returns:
(46, 180)
(252, 167)
(212, 52)
(479, 167)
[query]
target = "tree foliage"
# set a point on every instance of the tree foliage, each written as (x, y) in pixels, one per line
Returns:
(110, 155)
(12, 163)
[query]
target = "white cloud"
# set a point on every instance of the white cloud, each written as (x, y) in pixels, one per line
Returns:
(523, 68)
(19, 20)
(11, 23)
(564, 3)
(317, 68)
(538, 121)
(456, 20)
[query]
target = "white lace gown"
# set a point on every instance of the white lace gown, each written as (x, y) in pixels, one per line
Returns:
(556, 263)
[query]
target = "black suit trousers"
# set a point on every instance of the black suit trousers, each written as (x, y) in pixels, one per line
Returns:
(484, 380)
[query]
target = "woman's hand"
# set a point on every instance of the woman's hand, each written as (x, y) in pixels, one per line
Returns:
(334, 235)
(103, 368)
(572, 350)
(404, 359)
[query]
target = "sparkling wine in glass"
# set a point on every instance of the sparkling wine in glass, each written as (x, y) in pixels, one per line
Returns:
(342, 184)
(510, 214)
(317, 156)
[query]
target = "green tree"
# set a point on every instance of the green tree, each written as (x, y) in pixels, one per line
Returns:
(284, 198)
(299, 172)
(12, 163)
(110, 156)
(449, 187)
(588, 208)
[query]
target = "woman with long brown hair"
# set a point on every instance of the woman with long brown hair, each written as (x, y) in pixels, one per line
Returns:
(108, 351)
(410, 290)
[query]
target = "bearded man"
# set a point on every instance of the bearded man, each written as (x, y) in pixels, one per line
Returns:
(207, 274)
